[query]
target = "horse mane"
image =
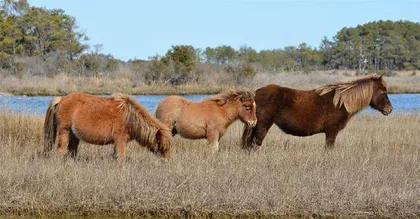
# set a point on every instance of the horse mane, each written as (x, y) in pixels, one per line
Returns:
(230, 95)
(141, 124)
(354, 95)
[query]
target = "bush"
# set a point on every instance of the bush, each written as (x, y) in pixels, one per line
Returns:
(361, 73)
(19, 68)
(158, 71)
(387, 73)
(241, 73)
(5, 60)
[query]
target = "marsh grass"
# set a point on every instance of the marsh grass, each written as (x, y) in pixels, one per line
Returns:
(214, 83)
(373, 172)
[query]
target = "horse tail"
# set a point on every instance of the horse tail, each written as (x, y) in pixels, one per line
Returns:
(247, 137)
(50, 125)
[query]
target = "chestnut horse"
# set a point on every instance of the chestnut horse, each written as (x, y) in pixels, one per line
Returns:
(209, 118)
(103, 120)
(326, 109)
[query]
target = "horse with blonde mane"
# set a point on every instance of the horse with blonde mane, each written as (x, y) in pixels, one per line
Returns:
(209, 118)
(103, 120)
(326, 109)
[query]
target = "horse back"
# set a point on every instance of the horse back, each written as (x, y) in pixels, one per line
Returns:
(91, 118)
(87, 104)
(274, 99)
(298, 112)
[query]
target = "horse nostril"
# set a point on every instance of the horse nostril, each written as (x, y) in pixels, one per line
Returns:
(387, 111)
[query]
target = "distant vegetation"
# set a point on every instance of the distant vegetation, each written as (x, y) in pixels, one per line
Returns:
(46, 42)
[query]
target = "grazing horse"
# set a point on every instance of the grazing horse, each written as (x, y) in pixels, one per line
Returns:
(103, 120)
(209, 118)
(326, 109)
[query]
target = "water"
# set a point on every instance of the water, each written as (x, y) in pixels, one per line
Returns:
(402, 103)
(38, 105)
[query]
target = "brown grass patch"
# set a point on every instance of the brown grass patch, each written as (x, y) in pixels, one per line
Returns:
(63, 84)
(373, 172)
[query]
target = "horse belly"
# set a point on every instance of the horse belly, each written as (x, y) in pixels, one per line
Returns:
(190, 129)
(295, 130)
(94, 133)
(299, 128)
(191, 132)
(192, 135)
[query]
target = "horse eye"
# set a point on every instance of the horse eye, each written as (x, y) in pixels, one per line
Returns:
(248, 108)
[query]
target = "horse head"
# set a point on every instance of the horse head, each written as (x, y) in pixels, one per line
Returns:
(248, 110)
(163, 143)
(380, 99)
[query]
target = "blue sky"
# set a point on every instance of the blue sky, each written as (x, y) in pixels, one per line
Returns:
(140, 29)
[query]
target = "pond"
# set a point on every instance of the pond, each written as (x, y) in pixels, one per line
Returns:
(402, 103)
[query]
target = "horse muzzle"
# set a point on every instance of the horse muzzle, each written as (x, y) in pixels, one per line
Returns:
(387, 111)
(251, 123)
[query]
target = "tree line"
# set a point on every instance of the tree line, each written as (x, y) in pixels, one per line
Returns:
(42, 41)
(379, 45)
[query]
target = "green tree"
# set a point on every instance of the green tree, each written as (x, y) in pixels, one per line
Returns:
(13, 7)
(11, 36)
(51, 30)
(209, 55)
(185, 57)
(225, 54)
(248, 54)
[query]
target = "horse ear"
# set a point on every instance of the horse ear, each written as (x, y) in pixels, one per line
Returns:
(242, 99)
(381, 77)
(221, 102)
(250, 94)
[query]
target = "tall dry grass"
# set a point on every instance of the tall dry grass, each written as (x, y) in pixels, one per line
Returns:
(373, 172)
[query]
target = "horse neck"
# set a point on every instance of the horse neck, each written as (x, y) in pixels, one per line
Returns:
(142, 134)
(141, 140)
(231, 113)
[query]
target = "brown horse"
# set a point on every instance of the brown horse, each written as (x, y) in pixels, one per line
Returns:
(209, 118)
(103, 120)
(326, 109)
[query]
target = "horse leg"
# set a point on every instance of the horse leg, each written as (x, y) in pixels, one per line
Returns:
(213, 139)
(174, 131)
(119, 149)
(259, 133)
(73, 145)
(114, 153)
(63, 140)
(330, 139)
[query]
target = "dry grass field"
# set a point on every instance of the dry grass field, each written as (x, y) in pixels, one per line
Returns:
(373, 172)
